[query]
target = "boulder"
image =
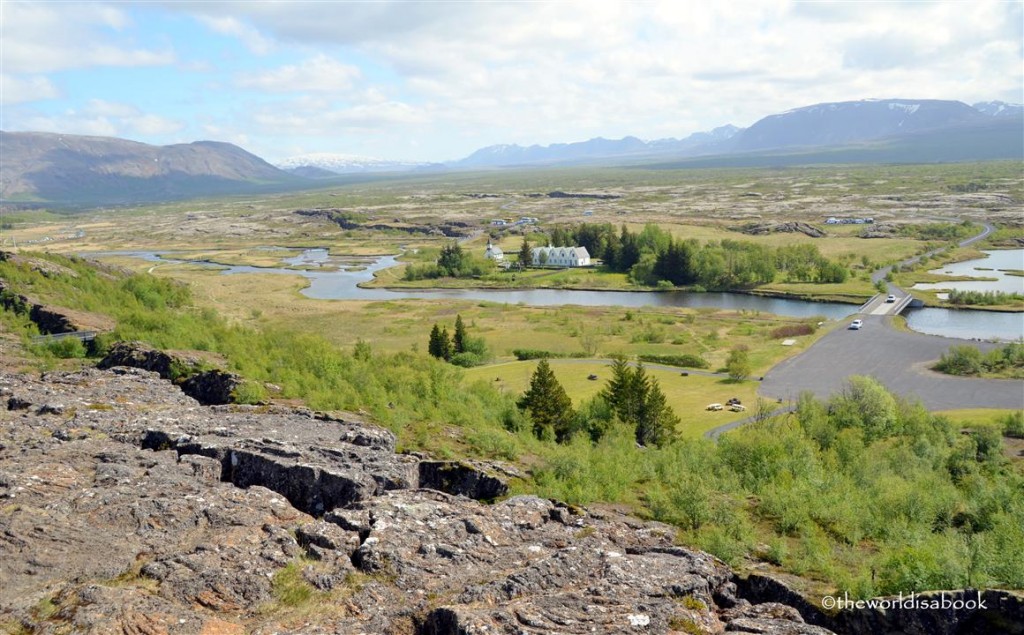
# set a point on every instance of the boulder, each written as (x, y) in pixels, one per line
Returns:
(212, 387)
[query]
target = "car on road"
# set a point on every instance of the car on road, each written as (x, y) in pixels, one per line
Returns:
(891, 298)
(856, 324)
(714, 406)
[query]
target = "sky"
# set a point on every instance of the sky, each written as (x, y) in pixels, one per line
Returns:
(434, 81)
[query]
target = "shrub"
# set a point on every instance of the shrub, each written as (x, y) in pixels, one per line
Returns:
(792, 330)
(738, 364)
(960, 360)
(1013, 425)
(65, 348)
(684, 360)
(249, 392)
(523, 354)
(467, 360)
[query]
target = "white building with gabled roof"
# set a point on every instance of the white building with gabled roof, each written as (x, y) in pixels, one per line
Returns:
(494, 252)
(560, 257)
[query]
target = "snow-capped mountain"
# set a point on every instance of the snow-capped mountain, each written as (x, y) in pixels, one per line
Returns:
(999, 108)
(345, 163)
(853, 122)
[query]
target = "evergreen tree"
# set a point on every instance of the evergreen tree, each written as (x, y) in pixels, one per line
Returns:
(656, 422)
(445, 346)
(435, 348)
(549, 406)
(614, 392)
(559, 237)
(629, 253)
(525, 253)
(626, 391)
(459, 341)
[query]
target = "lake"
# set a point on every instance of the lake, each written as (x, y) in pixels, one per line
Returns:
(988, 267)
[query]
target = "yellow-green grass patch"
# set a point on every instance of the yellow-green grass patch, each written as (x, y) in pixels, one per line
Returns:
(688, 396)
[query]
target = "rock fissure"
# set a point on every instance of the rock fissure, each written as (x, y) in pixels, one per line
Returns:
(153, 514)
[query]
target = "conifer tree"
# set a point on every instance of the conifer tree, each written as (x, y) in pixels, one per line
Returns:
(614, 392)
(435, 348)
(445, 345)
(525, 253)
(459, 341)
(656, 422)
(548, 404)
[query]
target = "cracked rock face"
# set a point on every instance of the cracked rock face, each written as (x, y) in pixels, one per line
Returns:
(132, 509)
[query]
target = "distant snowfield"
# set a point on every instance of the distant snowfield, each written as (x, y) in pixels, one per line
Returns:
(342, 163)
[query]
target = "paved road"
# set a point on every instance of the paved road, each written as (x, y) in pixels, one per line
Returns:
(898, 359)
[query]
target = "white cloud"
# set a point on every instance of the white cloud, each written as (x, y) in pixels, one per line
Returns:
(102, 108)
(297, 117)
(251, 37)
(445, 77)
(19, 89)
(44, 37)
(320, 74)
(105, 119)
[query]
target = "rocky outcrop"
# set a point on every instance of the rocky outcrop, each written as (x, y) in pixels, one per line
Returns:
(880, 230)
(134, 509)
(461, 478)
(173, 365)
(212, 387)
(790, 227)
(51, 319)
(599, 197)
(959, 612)
(346, 220)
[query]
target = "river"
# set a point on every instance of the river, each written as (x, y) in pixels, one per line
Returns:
(337, 278)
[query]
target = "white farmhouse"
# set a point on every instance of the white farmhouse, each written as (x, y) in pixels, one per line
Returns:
(560, 257)
(494, 252)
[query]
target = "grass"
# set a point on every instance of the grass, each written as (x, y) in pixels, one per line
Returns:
(686, 395)
(972, 416)
(404, 324)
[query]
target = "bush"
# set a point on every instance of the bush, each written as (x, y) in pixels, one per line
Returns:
(792, 330)
(684, 360)
(65, 348)
(249, 392)
(523, 354)
(968, 360)
(738, 364)
(1013, 425)
(984, 298)
(960, 360)
(467, 359)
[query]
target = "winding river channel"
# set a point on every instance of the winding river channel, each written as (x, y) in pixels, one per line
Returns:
(338, 278)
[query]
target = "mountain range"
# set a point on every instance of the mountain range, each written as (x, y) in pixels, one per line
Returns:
(808, 129)
(72, 170)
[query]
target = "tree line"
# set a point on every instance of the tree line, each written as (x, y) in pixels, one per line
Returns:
(630, 398)
(452, 262)
(652, 256)
(459, 349)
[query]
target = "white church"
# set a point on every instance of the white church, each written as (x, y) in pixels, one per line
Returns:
(494, 252)
(560, 257)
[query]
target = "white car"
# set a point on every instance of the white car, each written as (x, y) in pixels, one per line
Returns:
(714, 407)
(856, 324)
(891, 298)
